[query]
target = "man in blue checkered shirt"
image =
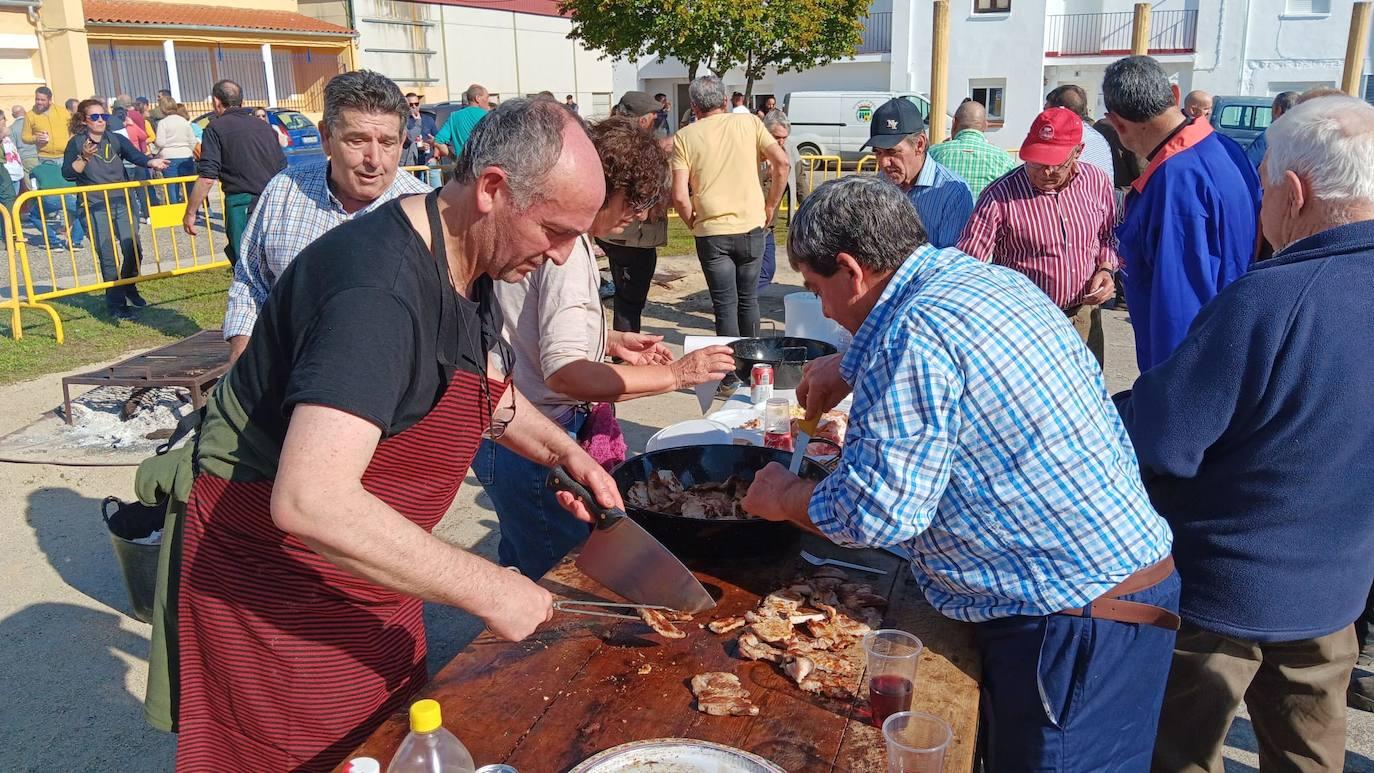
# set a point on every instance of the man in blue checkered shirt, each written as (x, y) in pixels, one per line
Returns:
(983, 445)
(363, 132)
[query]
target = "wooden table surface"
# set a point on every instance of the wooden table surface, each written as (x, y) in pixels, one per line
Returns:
(574, 688)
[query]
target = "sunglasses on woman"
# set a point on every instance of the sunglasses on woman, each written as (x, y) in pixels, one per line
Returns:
(99, 117)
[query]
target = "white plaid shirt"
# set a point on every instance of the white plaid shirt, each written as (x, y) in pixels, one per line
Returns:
(983, 445)
(295, 209)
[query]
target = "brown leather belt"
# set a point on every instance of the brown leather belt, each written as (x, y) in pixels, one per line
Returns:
(1110, 605)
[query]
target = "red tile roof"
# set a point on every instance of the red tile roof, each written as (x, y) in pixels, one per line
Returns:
(138, 12)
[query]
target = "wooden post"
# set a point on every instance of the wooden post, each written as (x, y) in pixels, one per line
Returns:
(939, 70)
(1355, 48)
(1140, 30)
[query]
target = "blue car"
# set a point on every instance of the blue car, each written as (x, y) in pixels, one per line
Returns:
(304, 145)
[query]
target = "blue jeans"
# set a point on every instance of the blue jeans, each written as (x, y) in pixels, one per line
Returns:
(1067, 693)
(770, 261)
(56, 228)
(536, 532)
(179, 167)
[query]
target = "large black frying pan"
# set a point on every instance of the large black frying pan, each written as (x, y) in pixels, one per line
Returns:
(786, 354)
(710, 464)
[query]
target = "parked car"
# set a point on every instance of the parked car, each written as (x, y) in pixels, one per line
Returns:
(835, 123)
(1242, 118)
(304, 146)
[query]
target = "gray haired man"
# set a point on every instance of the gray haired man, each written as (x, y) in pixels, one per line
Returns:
(717, 195)
(363, 133)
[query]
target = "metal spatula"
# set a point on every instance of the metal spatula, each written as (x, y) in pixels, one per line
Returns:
(624, 557)
(805, 429)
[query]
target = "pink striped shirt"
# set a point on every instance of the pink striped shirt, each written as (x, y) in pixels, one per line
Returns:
(1058, 239)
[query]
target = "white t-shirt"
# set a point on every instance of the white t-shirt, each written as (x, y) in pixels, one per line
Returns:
(740, 109)
(12, 163)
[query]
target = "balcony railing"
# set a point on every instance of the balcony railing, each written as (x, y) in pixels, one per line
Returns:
(877, 34)
(1109, 34)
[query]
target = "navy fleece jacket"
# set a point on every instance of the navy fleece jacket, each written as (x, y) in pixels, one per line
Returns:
(1256, 442)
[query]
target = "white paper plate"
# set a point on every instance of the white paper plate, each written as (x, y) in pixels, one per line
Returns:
(694, 432)
(736, 417)
(676, 755)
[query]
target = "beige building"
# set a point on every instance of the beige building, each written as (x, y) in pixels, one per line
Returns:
(81, 48)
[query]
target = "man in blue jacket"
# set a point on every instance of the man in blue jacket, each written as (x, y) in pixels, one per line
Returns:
(1256, 442)
(1191, 216)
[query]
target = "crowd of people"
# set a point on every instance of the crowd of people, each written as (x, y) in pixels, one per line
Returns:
(1135, 566)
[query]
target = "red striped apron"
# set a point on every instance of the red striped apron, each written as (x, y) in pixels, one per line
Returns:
(287, 662)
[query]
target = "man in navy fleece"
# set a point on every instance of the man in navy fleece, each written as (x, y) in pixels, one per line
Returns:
(1256, 442)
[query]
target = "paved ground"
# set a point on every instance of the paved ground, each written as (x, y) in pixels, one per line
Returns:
(73, 662)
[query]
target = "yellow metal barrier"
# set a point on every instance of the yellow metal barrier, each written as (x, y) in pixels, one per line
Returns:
(12, 302)
(47, 276)
(827, 165)
(869, 159)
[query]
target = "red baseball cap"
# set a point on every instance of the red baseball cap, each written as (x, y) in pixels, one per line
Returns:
(1053, 136)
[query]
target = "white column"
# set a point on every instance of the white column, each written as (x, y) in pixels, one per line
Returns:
(271, 76)
(169, 52)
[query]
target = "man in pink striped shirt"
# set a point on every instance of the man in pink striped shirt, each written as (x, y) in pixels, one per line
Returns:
(1052, 219)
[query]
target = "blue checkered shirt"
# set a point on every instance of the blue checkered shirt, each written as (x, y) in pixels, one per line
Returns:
(943, 201)
(295, 209)
(983, 445)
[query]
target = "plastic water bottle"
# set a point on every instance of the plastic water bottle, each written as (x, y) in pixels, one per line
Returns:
(429, 748)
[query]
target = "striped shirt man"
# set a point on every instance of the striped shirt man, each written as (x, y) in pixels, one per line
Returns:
(982, 443)
(1058, 239)
(297, 207)
(942, 200)
(977, 161)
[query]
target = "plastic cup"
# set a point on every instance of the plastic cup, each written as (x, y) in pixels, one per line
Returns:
(916, 742)
(892, 657)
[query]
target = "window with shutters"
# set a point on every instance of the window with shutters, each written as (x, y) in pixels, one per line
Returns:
(1307, 8)
(992, 6)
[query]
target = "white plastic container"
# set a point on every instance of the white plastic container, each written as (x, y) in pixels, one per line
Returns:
(803, 319)
(429, 748)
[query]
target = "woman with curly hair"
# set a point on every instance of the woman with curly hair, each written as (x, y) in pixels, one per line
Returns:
(95, 156)
(556, 329)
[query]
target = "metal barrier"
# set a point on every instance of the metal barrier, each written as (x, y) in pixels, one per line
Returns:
(827, 165)
(12, 302)
(869, 159)
(47, 277)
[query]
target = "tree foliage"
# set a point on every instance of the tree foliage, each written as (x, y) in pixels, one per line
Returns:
(786, 35)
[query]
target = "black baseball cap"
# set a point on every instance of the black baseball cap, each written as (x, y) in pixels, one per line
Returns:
(892, 122)
(638, 103)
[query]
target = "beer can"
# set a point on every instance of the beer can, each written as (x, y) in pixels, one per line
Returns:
(760, 383)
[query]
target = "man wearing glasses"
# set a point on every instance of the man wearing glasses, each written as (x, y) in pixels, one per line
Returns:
(420, 131)
(1051, 219)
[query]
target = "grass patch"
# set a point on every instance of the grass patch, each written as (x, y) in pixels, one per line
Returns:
(177, 307)
(681, 242)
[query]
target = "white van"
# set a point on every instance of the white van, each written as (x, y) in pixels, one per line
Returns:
(835, 123)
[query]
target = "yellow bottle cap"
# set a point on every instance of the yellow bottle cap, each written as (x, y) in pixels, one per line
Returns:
(425, 716)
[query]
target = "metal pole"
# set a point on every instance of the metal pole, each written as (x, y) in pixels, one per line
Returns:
(1355, 48)
(939, 70)
(1140, 30)
(271, 74)
(169, 52)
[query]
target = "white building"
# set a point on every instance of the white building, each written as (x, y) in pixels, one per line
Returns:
(438, 48)
(1009, 53)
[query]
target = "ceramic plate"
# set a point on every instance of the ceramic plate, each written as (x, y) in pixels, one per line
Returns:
(695, 432)
(676, 755)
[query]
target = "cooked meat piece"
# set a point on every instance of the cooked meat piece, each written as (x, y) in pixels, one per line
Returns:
(837, 625)
(799, 667)
(725, 624)
(782, 602)
(801, 588)
(827, 572)
(825, 598)
(773, 629)
(829, 662)
(805, 615)
(851, 588)
(669, 481)
(638, 495)
(693, 507)
(661, 622)
(803, 643)
(721, 695)
(750, 647)
(871, 617)
(861, 600)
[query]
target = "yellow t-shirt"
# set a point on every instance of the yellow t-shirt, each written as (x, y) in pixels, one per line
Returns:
(721, 154)
(56, 122)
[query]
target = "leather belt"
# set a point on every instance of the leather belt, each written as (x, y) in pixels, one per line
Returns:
(1110, 605)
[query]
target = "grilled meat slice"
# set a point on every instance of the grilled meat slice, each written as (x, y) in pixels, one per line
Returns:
(750, 647)
(720, 694)
(662, 622)
(726, 624)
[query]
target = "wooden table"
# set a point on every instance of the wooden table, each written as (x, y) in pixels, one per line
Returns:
(574, 688)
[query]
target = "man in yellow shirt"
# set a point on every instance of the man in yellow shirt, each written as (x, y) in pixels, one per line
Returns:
(717, 194)
(47, 126)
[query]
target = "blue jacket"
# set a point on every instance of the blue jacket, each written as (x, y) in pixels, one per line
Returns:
(1189, 231)
(1256, 442)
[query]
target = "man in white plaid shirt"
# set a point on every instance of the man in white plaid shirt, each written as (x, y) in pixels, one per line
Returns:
(982, 445)
(363, 133)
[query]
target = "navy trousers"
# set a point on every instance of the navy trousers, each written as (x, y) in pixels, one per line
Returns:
(1065, 693)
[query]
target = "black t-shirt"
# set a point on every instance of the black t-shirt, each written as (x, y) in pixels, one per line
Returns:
(364, 320)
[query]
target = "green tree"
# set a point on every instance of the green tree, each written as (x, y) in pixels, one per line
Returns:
(787, 35)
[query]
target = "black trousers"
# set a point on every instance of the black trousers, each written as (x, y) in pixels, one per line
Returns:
(120, 246)
(731, 263)
(632, 270)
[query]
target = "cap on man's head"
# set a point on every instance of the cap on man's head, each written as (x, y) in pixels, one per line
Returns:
(892, 122)
(637, 103)
(1052, 137)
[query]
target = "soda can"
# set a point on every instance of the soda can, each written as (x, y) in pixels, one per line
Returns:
(497, 768)
(760, 383)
